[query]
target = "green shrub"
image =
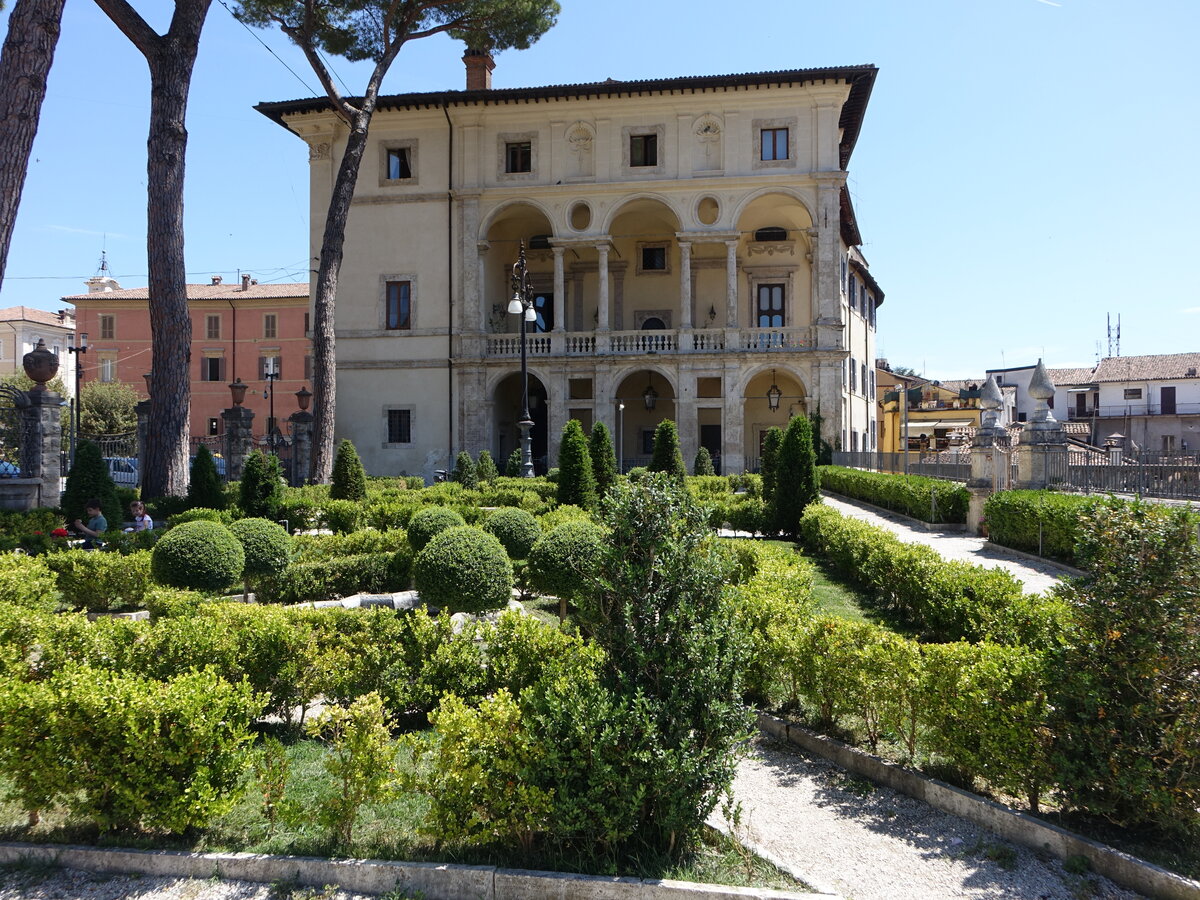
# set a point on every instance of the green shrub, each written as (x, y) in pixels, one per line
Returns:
(464, 471)
(576, 480)
(389, 513)
(562, 559)
(604, 458)
(267, 548)
(170, 603)
(464, 569)
(28, 582)
(1041, 522)
(927, 499)
(768, 464)
(301, 512)
(666, 456)
(204, 486)
(198, 514)
(202, 556)
(127, 752)
(97, 582)
(330, 546)
(516, 530)
(512, 466)
(485, 468)
(89, 479)
(1126, 690)
(796, 484)
(342, 516)
(315, 580)
(429, 522)
(703, 464)
(349, 481)
(261, 489)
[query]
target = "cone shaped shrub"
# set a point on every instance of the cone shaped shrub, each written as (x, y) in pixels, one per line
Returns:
(703, 464)
(261, 488)
(667, 457)
(349, 480)
(512, 468)
(769, 461)
(464, 471)
(204, 486)
(576, 482)
(486, 469)
(89, 479)
(796, 482)
(604, 458)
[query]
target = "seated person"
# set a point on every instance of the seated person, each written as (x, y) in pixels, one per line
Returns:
(95, 527)
(141, 519)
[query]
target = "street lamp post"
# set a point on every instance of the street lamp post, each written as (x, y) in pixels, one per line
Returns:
(80, 348)
(522, 305)
(621, 436)
(271, 375)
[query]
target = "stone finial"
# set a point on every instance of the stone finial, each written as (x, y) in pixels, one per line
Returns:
(40, 364)
(1041, 389)
(990, 401)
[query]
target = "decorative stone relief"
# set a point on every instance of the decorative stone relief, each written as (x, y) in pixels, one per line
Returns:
(581, 139)
(318, 151)
(771, 248)
(708, 131)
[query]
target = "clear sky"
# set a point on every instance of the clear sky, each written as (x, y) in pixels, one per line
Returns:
(1025, 168)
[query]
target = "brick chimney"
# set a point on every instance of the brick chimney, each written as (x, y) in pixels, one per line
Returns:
(245, 282)
(479, 69)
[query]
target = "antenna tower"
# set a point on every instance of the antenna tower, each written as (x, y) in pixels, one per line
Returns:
(1114, 340)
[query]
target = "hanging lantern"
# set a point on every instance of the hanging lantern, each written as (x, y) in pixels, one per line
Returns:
(773, 394)
(650, 395)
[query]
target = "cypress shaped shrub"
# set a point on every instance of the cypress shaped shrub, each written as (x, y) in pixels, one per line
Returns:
(430, 521)
(261, 488)
(464, 569)
(512, 468)
(464, 471)
(604, 458)
(515, 528)
(202, 556)
(667, 457)
(703, 464)
(796, 484)
(89, 478)
(486, 469)
(204, 486)
(349, 481)
(576, 481)
(769, 461)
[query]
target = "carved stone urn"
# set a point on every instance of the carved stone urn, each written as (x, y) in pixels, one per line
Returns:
(40, 364)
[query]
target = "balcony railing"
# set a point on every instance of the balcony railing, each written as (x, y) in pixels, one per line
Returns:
(643, 343)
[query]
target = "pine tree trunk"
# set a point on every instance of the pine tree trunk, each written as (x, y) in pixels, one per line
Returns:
(33, 29)
(332, 247)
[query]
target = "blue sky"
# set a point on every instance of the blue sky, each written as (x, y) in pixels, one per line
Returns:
(1026, 167)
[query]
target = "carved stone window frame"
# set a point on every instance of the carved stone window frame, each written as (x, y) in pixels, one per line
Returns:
(641, 315)
(516, 137)
(665, 246)
(760, 125)
(381, 305)
(387, 146)
(412, 426)
(785, 275)
(628, 132)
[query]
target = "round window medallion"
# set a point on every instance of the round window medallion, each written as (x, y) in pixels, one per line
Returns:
(707, 210)
(580, 216)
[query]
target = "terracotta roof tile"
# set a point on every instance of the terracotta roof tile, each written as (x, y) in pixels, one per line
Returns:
(1070, 376)
(1148, 368)
(220, 292)
(41, 316)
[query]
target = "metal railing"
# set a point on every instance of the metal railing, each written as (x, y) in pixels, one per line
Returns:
(950, 465)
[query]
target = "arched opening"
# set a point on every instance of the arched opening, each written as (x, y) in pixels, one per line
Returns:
(778, 388)
(506, 413)
(644, 398)
(517, 224)
(653, 323)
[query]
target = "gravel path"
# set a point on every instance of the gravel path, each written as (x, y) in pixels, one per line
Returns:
(1036, 576)
(849, 836)
(72, 884)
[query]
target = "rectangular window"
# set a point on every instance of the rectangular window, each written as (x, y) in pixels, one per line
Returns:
(399, 426)
(212, 368)
(308, 367)
(647, 441)
(270, 325)
(307, 324)
(108, 369)
(518, 157)
(853, 292)
(398, 311)
(269, 364)
(654, 259)
(107, 327)
(214, 426)
(770, 312)
(212, 328)
(398, 165)
(774, 144)
(643, 150)
(853, 375)
(1133, 393)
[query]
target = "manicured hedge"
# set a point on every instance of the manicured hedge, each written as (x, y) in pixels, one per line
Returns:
(927, 499)
(101, 581)
(1041, 522)
(944, 600)
(313, 580)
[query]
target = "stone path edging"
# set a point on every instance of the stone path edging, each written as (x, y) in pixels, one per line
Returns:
(1033, 557)
(1016, 826)
(434, 881)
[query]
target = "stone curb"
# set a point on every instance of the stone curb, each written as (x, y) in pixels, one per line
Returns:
(433, 881)
(954, 527)
(1033, 557)
(1019, 827)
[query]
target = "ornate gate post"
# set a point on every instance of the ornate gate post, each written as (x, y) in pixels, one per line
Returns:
(239, 432)
(40, 412)
(1043, 459)
(302, 435)
(986, 449)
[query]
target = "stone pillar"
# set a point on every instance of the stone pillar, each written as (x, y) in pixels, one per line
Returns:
(239, 439)
(602, 292)
(302, 435)
(731, 285)
(986, 453)
(143, 433)
(685, 284)
(560, 304)
(41, 444)
(1043, 457)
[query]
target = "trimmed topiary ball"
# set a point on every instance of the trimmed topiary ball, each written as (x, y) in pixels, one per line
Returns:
(464, 569)
(203, 556)
(430, 521)
(564, 556)
(515, 528)
(267, 546)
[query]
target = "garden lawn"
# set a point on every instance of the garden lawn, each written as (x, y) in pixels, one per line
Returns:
(385, 830)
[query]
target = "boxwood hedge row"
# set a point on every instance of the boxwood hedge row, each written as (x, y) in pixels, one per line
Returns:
(927, 499)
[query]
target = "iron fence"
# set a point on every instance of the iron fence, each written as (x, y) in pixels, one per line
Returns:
(949, 465)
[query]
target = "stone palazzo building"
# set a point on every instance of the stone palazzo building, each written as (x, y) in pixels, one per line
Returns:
(691, 246)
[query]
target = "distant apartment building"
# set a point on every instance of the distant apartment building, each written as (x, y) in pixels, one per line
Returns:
(21, 327)
(239, 330)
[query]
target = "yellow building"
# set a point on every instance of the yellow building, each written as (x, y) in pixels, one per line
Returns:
(939, 415)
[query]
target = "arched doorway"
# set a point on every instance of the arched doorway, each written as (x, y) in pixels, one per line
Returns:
(644, 398)
(506, 413)
(779, 386)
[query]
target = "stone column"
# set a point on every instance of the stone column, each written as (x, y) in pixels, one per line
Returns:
(302, 435)
(1043, 456)
(560, 305)
(602, 293)
(685, 284)
(41, 444)
(239, 439)
(731, 286)
(986, 452)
